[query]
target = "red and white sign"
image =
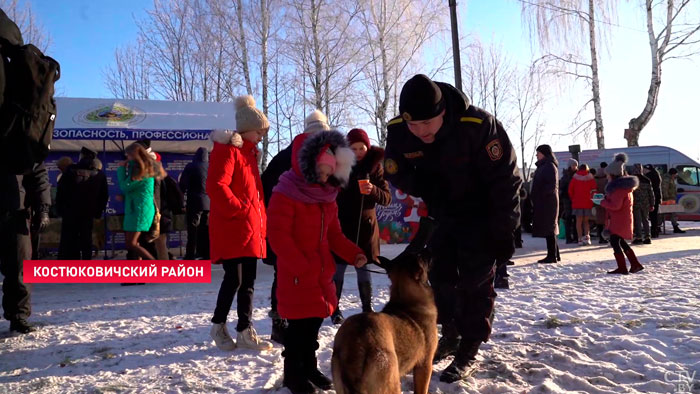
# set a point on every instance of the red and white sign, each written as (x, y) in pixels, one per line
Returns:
(117, 271)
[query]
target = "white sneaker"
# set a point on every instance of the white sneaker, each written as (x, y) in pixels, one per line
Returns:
(587, 238)
(249, 339)
(219, 333)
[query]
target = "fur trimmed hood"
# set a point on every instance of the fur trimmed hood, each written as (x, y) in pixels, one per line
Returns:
(227, 137)
(628, 183)
(307, 147)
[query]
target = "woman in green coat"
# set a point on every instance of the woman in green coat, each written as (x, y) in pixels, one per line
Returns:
(136, 181)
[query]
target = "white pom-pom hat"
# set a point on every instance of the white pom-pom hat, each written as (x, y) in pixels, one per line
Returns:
(316, 121)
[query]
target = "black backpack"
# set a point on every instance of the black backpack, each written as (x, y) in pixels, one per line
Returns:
(27, 106)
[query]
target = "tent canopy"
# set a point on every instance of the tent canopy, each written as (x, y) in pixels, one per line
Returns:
(111, 124)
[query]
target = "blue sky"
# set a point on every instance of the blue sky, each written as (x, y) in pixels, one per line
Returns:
(86, 32)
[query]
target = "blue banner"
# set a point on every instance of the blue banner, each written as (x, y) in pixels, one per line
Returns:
(130, 134)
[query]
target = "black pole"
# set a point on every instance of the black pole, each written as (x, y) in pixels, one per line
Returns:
(455, 45)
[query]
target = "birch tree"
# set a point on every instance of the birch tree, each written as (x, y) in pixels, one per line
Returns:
(168, 40)
(129, 76)
(678, 38)
(567, 27)
(394, 32)
(323, 45)
(528, 100)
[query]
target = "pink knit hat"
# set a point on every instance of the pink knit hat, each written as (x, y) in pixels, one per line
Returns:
(327, 157)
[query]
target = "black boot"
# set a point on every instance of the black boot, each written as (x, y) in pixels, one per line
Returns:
(448, 343)
(677, 230)
(21, 326)
(279, 326)
(601, 238)
(464, 364)
(316, 377)
(337, 316)
(294, 376)
(366, 296)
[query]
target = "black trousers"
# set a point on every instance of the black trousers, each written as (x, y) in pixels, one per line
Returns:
(76, 239)
(15, 247)
(301, 338)
(197, 235)
(654, 218)
(552, 246)
(464, 294)
(571, 233)
(239, 277)
(618, 244)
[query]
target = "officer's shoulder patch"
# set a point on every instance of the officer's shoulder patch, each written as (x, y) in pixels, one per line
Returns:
(495, 150)
(394, 121)
(470, 119)
(390, 166)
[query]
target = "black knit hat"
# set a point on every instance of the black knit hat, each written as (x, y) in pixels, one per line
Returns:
(420, 99)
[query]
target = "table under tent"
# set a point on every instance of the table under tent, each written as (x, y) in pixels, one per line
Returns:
(107, 126)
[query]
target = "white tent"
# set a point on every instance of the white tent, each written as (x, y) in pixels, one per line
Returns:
(111, 124)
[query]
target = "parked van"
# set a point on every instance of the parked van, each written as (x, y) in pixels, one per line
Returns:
(663, 158)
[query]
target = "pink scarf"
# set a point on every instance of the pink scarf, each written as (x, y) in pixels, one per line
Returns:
(297, 188)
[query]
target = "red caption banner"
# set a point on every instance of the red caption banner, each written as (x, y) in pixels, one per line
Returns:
(117, 271)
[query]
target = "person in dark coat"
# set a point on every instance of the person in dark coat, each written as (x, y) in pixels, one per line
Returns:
(545, 199)
(356, 205)
(565, 209)
(459, 160)
(601, 180)
(653, 174)
(193, 183)
(81, 197)
(20, 195)
(643, 204)
(281, 163)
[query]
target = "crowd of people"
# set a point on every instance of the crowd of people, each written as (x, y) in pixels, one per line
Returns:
(312, 212)
(627, 202)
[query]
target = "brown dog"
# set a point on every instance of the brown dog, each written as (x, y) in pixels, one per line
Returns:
(373, 350)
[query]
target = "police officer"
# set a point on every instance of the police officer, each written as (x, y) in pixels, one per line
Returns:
(459, 159)
(22, 197)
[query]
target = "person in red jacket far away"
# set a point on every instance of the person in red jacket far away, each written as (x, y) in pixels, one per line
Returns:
(237, 221)
(618, 203)
(581, 190)
(303, 231)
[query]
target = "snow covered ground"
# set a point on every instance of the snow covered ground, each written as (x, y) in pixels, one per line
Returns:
(560, 328)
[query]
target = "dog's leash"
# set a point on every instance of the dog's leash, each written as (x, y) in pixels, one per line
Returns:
(372, 271)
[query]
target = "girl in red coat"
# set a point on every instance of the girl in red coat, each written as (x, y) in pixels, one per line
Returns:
(303, 230)
(581, 190)
(237, 221)
(618, 204)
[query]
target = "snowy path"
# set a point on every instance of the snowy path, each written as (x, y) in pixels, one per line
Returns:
(560, 328)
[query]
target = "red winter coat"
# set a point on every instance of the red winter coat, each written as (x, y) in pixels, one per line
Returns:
(302, 235)
(581, 189)
(237, 220)
(618, 203)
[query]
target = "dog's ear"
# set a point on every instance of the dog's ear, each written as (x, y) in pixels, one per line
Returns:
(384, 263)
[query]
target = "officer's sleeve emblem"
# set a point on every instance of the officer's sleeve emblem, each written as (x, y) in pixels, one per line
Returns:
(495, 150)
(391, 167)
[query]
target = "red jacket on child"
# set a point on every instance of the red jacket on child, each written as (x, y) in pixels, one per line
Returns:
(237, 220)
(581, 190)
(618, 203)
(304, 229)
